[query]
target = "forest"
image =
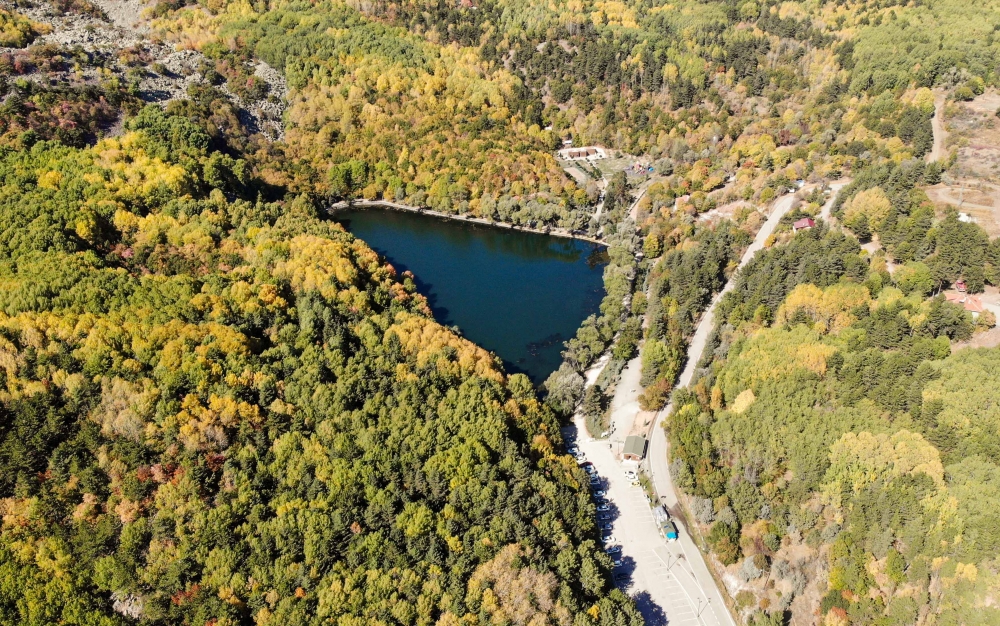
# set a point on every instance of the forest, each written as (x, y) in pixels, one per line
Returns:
(459, 108)
(222, 410)
(832, 440)
(217, 407)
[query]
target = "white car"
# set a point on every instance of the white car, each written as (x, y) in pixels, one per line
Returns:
(631, 475)
(609, 539)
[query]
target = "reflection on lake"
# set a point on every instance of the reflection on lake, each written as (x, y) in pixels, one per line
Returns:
(518, 294)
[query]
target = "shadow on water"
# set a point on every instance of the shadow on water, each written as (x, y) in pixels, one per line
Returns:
(598, 257)
(516, 293)
(441, 313)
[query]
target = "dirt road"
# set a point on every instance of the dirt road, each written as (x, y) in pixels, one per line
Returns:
(940, 134)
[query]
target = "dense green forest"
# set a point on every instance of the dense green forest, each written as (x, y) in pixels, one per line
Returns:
(831, 437)
(220, 410)
(458, 106)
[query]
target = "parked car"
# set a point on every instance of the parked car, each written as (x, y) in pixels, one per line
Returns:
(591, 469)
(595, 481)
(608, 539)
(573, 450)
(604, 507)
(612, 549)
(600, 493)
(629, 474)
(635, 483)
(604, 516)
(606, 526)
(616, 563)
(621, 577)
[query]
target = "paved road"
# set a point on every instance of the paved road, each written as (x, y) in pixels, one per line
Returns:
(670, 582)
(658, 468)
(660, 579)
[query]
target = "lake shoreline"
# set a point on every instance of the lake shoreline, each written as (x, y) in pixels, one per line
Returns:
(555, 232)
(512, 292)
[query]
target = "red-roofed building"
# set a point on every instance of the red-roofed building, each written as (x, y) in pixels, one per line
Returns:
(972, 304)
(803, 224)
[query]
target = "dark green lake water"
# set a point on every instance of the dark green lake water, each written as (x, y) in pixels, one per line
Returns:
(518, 294)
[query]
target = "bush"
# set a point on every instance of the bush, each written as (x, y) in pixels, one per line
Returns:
(702, 509)
(749, 570)
(964, 94)
(564, 388)
(724, 539)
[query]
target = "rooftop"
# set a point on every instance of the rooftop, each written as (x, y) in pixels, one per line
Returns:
(635, 445)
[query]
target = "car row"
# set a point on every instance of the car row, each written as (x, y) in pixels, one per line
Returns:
(605, 518)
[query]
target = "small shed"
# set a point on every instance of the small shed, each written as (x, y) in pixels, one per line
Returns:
(803, 224)
(635, 448)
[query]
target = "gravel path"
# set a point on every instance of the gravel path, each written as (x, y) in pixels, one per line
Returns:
(940, 134)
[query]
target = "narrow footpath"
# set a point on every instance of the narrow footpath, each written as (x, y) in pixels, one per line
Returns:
(937, 125)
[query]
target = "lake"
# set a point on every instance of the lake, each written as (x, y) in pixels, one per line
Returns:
(517, 294)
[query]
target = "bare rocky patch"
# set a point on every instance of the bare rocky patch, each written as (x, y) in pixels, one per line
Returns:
(159, 73)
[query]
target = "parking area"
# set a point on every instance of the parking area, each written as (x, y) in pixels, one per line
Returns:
(648, 568)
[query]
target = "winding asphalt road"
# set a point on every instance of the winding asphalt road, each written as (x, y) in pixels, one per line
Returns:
(670, 582)
(658, 464)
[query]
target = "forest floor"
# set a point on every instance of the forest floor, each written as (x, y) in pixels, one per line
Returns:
(972, 131)
(979, 199)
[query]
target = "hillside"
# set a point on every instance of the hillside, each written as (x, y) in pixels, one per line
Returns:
(218, 407)
(220, 410)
